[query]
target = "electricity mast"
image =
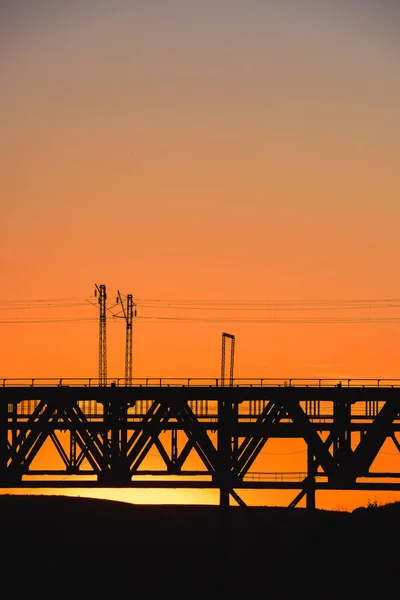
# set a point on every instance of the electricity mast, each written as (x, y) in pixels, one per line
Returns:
(100, 291)
(129, 312)
(231, 337)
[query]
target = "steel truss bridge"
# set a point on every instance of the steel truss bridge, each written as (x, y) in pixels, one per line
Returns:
(102, 434)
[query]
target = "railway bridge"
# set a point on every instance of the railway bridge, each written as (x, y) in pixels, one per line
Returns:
(103, 432)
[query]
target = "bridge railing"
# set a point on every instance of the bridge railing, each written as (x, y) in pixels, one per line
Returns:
(278, 477)
(197, 382)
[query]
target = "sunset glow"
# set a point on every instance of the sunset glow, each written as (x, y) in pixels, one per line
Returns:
(231, 164)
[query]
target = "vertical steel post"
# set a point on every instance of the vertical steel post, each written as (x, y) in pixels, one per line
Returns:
(310, 495)
(3, 439)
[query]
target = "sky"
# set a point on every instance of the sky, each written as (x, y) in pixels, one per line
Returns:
(231, 151)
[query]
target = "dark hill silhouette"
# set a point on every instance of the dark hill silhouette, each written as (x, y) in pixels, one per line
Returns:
(65, 547)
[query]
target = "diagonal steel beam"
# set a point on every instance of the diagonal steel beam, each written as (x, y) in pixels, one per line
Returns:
(146, 421)
(370, 444)
(328, 442)
(396, 443)
(88, 441)
(188, 447)
(164, 454)
(32, 451)
(30, 425)
(251, 446)
(310, 435)
(60, 449)
(238, 499)
(199, 437)
(145, 446)
(28, 443)
(145, 437)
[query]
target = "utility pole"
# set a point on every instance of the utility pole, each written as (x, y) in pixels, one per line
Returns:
(129, 312)
(226, 336)
(100, 291)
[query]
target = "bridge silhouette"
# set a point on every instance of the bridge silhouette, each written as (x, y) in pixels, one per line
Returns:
(103, 433)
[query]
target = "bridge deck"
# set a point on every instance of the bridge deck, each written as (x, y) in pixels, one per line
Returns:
(194, 389)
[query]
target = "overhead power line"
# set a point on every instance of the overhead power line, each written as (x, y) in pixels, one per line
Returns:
(273, 320)
(270, 303)
(49, 320)
(271, 308)
(376, 310)
(43, 302)
(211, 304)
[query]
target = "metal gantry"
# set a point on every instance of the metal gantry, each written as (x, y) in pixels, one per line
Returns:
(204, 434)
(225, 337)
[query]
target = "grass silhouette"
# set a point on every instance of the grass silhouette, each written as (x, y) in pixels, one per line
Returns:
(68, 547)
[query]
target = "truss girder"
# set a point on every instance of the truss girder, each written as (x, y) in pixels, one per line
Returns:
(154, 422)
(227, 440)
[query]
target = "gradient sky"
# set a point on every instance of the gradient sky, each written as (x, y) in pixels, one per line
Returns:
(214, 150)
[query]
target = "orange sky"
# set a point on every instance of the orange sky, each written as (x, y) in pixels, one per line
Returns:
(224, 150)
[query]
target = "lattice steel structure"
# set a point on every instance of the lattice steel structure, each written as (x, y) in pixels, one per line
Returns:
(104, 435)
(129, 312)
(102, 296)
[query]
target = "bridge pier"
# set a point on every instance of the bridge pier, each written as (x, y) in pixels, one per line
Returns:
(310, 493)
(224, 498)
(116, 470)
(226, 417)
